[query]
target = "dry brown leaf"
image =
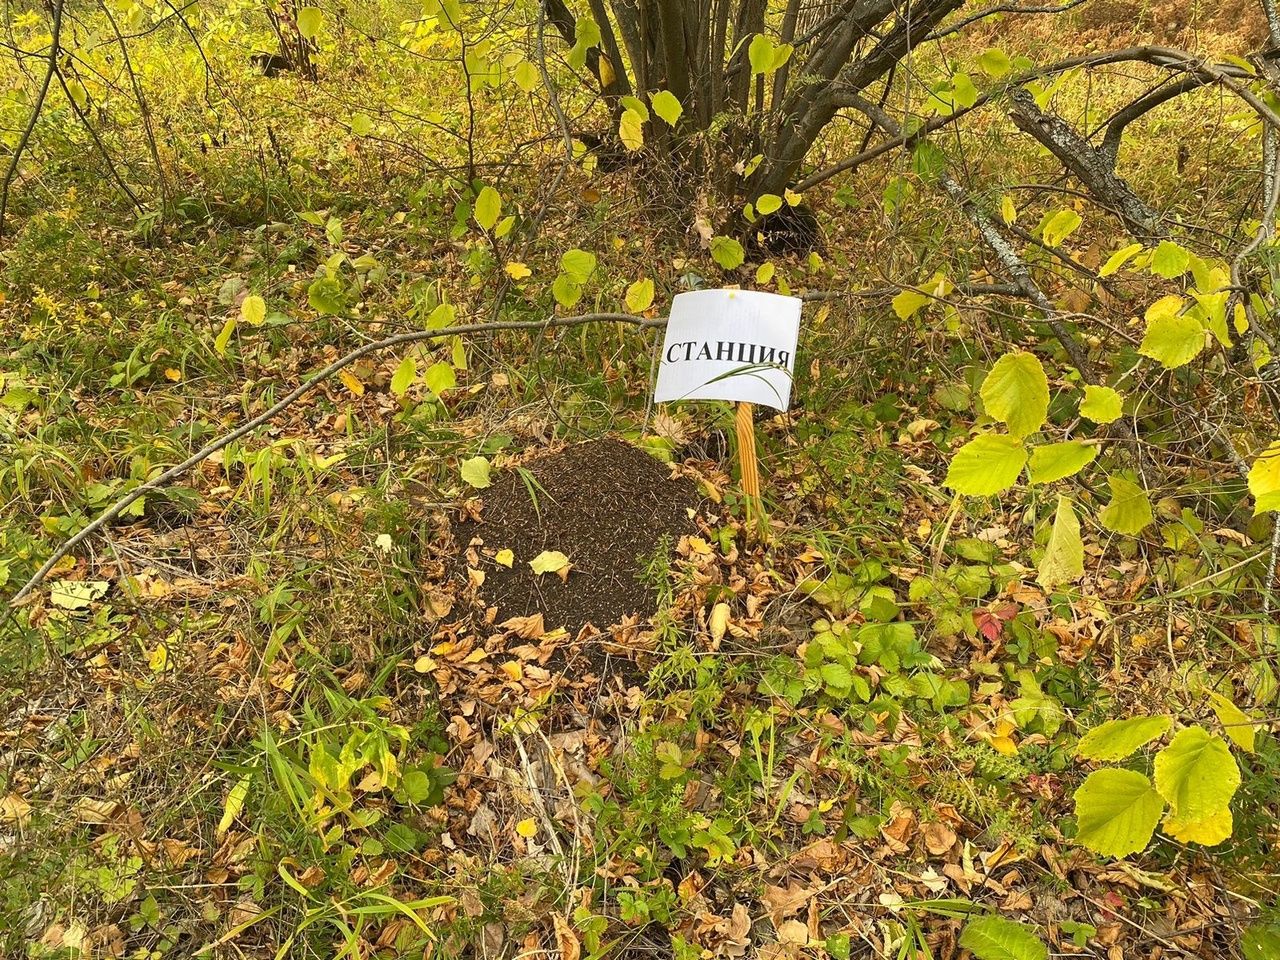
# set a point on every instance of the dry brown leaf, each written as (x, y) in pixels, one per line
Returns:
(938, 838)
(90, 810)
(566, 939)
(782, 902)
(13, 809)
(528, 628)
(793, 932)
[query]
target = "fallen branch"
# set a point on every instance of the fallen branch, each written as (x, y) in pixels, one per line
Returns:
(300, 391)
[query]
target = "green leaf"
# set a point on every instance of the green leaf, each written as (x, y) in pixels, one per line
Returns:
(253, 310)
(1063, 560)
(404, 376)
(442, 316)
(527, 76)
(1016, 391)
(837, 676)
(727, 252)
(1261, 943)
(994, 63)
(1119, 259)
(1197, 774)
(566, 290)
(667, 106)
(1173, 338)
(1056, 461)
(1060, 226)
(1101, 404)
(475, 472)
(908, 302)
(587, 36)
(1264, 480)
(631, 130)
(1239, 726)
(995, 938)
(1117, 739)
(1129, 511)
(549, 561)
(488, 208)
(963, 92)
(325, 295)
(310, 20)
(1170, 260)
(640, 295)
(1116, 812)
(578, 264)
(635, 103)
(986, 465)
(440, 377)
(767, 203)
(362, 124)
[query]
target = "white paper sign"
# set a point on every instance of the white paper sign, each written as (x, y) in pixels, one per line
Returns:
(730, 345)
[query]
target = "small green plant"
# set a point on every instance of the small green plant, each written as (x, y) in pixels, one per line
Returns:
(1194, 776)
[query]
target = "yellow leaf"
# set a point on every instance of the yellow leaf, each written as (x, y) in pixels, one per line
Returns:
(1212, 830)
(235, 803)
(504, 558)
(518, 271)
(253, 310)
(1237, 724)
(351, 382)
(639, 295)
(159, 660)
(631, 130)
(224, 337)
(549, 561)
(1001, 737)
(172, 374)
(513, 670)
(607, 74)
(527, 828)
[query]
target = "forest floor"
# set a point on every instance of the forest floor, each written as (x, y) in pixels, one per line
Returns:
(313, 697)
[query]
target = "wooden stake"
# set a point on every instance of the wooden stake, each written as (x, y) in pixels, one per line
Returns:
(746, 428)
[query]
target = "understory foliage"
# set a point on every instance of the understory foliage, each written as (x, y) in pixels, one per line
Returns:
(1000, 676)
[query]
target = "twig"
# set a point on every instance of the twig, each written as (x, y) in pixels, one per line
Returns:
(1002, 8)
(1014, 266)
(298, 392)
(55, 41)
(1271, 570)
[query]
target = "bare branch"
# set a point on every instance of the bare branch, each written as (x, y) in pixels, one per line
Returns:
(1143, 105)
(55, 42)
(992, 11)
(1005, 254)
(1091, 166)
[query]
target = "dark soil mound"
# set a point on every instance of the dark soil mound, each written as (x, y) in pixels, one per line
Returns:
(605, 505)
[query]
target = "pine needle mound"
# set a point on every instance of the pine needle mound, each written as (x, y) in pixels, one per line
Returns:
(605, 505)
